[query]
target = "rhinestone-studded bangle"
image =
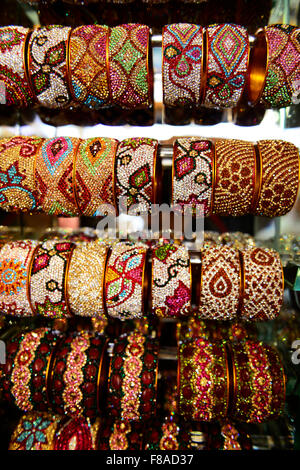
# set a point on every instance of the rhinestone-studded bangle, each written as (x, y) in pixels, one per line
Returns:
(35, 431)
(171, 280)
(74, 434)
(120, 435)
(182, 64)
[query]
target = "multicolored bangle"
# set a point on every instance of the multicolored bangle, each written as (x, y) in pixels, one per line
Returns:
(35, 431)
(135, 171)
(47, 65)
(55, 176)
(15, 264)
(171, 280)
(193, 168)
(182, 46)
(17, 173)
(74, 434)
(133, 377)
(86, 279)
(125, 280)
(13, 76)
(203, 380)
(88, 78)
(220, 283)
(130, 73)
(49, 278)
(120, 435)
(94, 175)
(279, 178)
(263, 284)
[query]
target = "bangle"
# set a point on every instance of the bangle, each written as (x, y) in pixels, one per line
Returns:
(49, 279)
(163, 436)
(54, 176)
(74, 434)
(263, 284)
(88, 78)
(134, 173)
(130, 74)
(120, 435)
(192, 173)
(182, 46)
(133, 378)
(94, 175)
(17, 168)
(171, 280)
(220, 283)
(16, 90)
(235, 177)
(227, 48)
(86, 277)
(202, 380)
(47, 65)
(124, 280)
(15, 262)
(35, 431)
(280, 178)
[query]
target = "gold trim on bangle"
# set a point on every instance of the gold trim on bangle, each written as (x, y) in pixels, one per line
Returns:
(66, 280)
(100, 373)
(213, 183)
(203, 78)
(28, 287)
(258, 177)
(107, 65)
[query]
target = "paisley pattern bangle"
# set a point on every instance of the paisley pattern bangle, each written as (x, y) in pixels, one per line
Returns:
(88, 77)
(130, 75)
(203, 380)
(134, 173)
(35, 431)
(15, 263)
(48, 278)
(182, 64)
(133, 377)
(226, 66)
(171, 280)
(12, 67)
(124, 280)
(17, 173)
(193, 161)
(75, 434)
(47, 65)
(55, 178)
(95, 175)
(263, 284)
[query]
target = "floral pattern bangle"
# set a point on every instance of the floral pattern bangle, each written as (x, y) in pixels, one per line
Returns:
(120, 435)
(133, 377)
(171, 280)
(88, 78)
(124, 280)
(12, 66)
(17, 178)
(182, 45)
(226, 65)
(15, 262)
(47, 65)
(35, 431)
(263, 284)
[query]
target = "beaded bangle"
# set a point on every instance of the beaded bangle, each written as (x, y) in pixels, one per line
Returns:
(15, 263)
(163, 436)
(203, 381)
(182, 64)
(133, 377)
(124, 280)
(280, 178)
(130, 75)
(87, 65)
(49, 278)
(86, 277)
(235, 162)
(17, 168)
(55, 178)
(16, 90)
(220, 283)
(75, 434)
(263, 284)
(135, 168)
(171, 280)
(35, 431)
(47, 65)
(95, 175)
(226, 65)
(193, 173)
(120, 435)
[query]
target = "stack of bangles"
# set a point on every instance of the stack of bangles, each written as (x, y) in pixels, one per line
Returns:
(66, 176)
(128, 280)
(96, 66)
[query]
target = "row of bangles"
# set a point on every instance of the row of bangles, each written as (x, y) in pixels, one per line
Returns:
(98, 66)
(92, 177)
